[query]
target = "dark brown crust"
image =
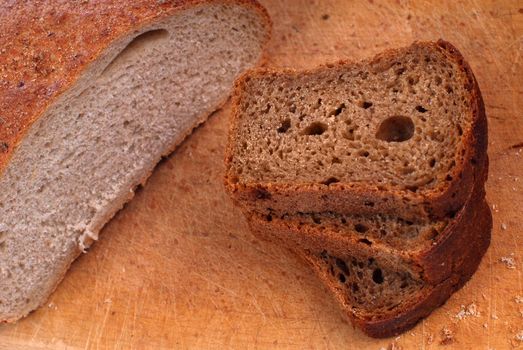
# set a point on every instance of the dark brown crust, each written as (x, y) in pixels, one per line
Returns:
(433, 264)
(43, 54)
(353, 197)
(431, 297)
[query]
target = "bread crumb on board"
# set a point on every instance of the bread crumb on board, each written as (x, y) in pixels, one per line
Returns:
(394, 346)
(509, 261)
(518, 299)
(466, 311)
(503, 226)
(519, 336)
(447, 336)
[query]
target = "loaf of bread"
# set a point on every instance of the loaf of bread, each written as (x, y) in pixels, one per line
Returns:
(399, 134)
(93, 95)
(373, 172)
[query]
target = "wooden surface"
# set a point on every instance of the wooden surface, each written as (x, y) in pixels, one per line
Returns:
(177, 268)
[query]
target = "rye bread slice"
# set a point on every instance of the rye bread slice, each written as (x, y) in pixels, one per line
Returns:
(385, 303)
(401, 134)
(428, 250)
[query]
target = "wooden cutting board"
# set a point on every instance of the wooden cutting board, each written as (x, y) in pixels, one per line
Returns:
(178, 268)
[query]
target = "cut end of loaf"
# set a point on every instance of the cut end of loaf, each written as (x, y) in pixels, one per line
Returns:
(402, 121)
(81, 160)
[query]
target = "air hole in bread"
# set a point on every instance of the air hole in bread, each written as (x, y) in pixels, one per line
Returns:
(365, 104)
(268, 218)
(412, 188)
(421, 109)
(349, 134)
(363, 153)
(285, 125)
(316, 128)
(341, 277)
(377, 276)
(316, 220)
(413, 80)
(330, 180)
(365, 241)
(335, 160)
(460, 130)
(360, 228)
(338, 110)
(355, 288)
(395, 129)
(369, 204)
(342, 266)
(432, 162)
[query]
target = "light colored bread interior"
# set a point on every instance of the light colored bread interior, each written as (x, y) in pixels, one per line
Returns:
(398, 121)
(80, 162)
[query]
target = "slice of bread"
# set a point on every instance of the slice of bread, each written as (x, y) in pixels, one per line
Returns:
(398, 134)
(427, 250)
(385, 302)
(94, 96)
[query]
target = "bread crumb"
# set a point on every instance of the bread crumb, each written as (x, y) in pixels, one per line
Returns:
(503, 226)
(447, 337)
(519, 336)
(430, 338)
(394, 346)
(509, 261)
(485, 325)
(484, 296)
(52, 305)
(494, 317)
(108, 301)
(469, 310)
(518, 299)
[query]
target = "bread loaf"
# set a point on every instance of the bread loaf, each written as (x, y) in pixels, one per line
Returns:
(93, 95)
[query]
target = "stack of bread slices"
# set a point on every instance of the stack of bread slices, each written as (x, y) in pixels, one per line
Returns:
(373, 172)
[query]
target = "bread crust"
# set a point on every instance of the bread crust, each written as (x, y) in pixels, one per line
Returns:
(431, 297)
(364, 198)
(38, 63)
(433, 263)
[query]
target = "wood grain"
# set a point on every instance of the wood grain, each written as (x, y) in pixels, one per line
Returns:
(178, 268)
